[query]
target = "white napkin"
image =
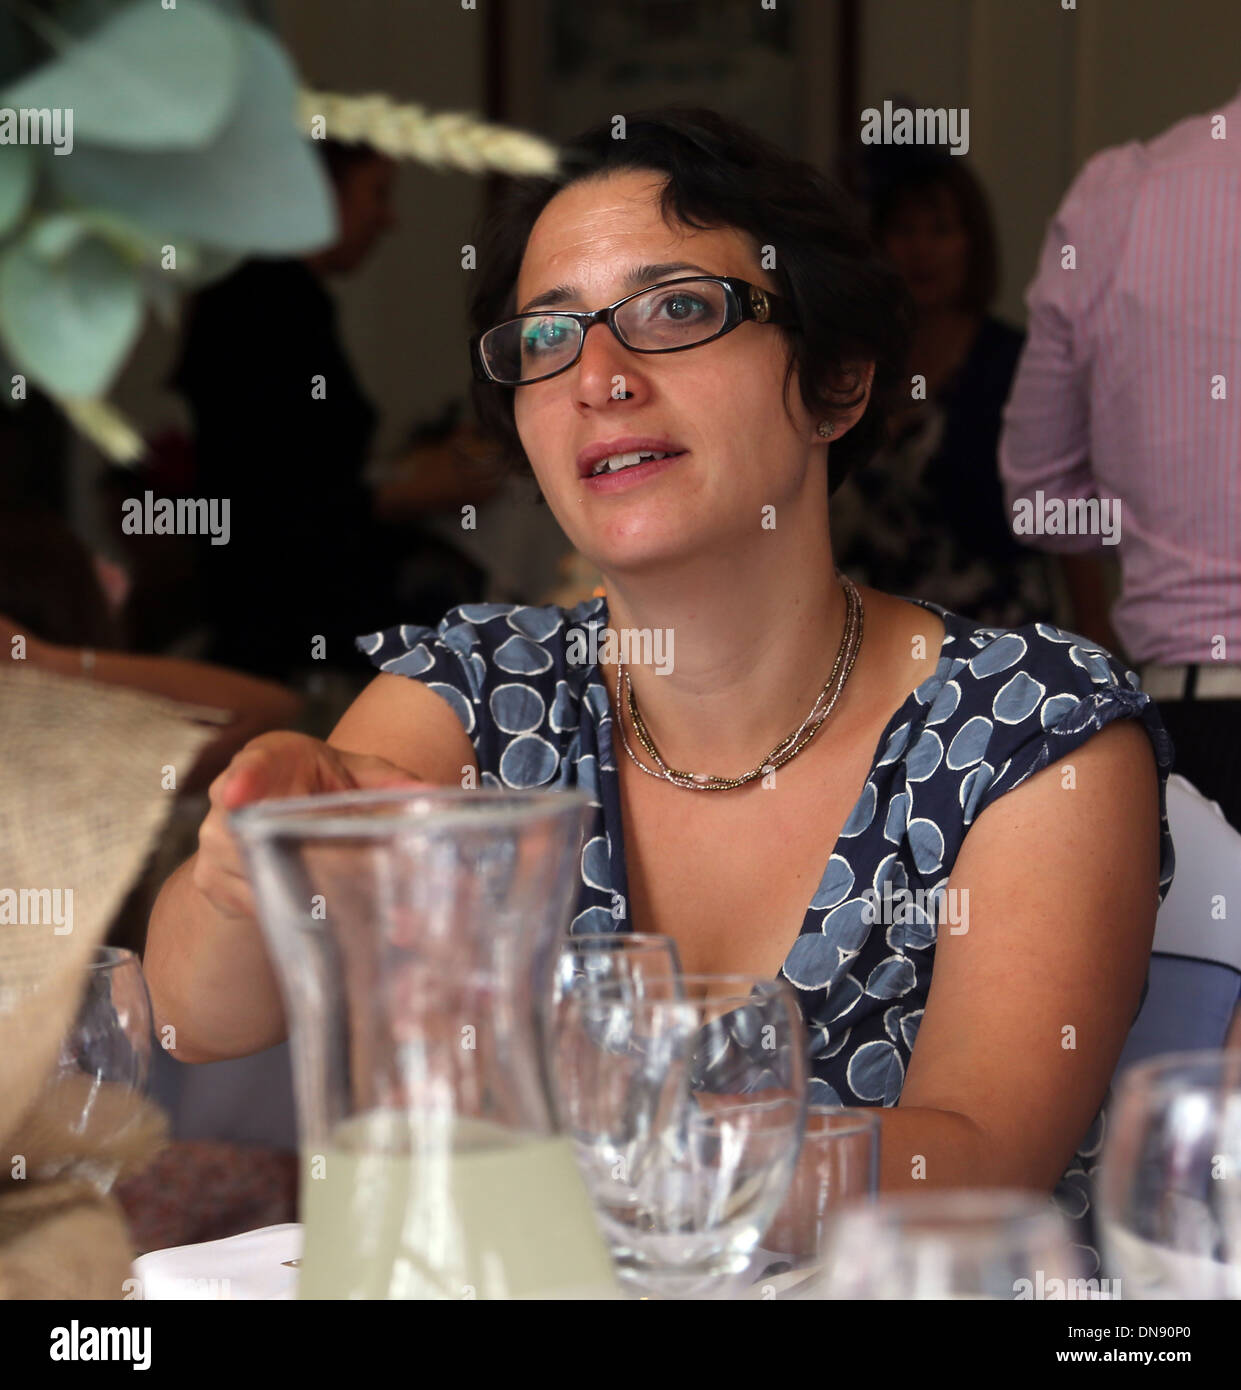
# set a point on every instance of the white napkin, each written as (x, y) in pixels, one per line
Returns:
(245, 1266)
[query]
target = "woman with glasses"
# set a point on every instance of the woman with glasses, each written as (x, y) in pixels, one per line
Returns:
(938, 833)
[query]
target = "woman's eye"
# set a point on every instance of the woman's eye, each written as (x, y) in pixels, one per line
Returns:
(683, 306)
(546, 335)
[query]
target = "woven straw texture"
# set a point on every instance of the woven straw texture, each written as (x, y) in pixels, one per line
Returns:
(81, 803)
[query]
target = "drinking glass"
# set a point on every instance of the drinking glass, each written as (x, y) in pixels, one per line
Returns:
(103, 1065)
(838, 1166)
(414, 935)
(1169, 1189)
(686, 1102)
(992, 1244)
(593, 959)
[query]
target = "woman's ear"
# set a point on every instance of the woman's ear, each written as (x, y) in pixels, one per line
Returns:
(864, 374)
(855, 381)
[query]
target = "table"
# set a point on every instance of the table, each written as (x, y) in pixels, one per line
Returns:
(252, 1266)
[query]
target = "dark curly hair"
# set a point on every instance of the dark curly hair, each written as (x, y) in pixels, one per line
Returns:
(852, 307)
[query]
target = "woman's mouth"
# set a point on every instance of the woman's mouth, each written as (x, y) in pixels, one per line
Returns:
(628, 470)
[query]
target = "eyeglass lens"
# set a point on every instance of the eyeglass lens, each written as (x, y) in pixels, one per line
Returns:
(666, 316)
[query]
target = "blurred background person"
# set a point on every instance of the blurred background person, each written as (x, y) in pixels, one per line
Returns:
(1126, 394)
(925, 516)
(283, 428)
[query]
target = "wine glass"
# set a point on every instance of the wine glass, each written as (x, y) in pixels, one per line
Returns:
(992, 1244)
(102, 1069)
(593, 959)
(685, 1099)
(1169, 1189)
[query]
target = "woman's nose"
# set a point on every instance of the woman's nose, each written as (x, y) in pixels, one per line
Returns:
(606, 366)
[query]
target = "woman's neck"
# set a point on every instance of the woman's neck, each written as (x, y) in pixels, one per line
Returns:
(751, 642)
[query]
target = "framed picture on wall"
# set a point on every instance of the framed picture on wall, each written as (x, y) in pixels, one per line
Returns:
(567, 64)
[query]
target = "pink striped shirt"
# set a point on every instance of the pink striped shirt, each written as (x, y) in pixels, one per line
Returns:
(1129, 387)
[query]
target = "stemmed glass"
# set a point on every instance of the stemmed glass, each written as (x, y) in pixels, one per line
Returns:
(991, 1244)
(103, 1065)
(686, 1103)
(1169, 1190)
(588, 961)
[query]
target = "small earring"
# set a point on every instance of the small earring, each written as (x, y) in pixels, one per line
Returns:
(826, 429)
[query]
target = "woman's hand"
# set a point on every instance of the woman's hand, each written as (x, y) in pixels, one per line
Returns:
(274, 765)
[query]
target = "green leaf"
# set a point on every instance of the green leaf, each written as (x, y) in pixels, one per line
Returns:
(16, 181)
(54, 234)
(69, 323)
(50, 238)
(257, 188)
(149, 78)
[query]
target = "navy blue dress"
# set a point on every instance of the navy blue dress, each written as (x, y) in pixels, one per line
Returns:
(1001, 705)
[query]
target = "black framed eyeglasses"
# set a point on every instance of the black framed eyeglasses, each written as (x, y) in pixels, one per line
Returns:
(668, 317)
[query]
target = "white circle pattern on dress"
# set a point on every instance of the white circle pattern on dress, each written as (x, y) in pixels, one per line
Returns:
(538, 720)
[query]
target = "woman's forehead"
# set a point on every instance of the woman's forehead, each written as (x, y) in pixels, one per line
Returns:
(600, 236)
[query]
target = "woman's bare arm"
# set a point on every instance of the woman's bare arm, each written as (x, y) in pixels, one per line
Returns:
(1030, 1006)
(206, 964)
(255, 704)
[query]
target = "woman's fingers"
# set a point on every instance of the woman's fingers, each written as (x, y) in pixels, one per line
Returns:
(372, 773)
(272, 765)
(275, 765)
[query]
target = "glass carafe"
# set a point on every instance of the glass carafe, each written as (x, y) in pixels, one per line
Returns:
(414, 935)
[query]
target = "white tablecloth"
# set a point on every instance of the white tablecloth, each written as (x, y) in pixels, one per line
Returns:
(251, 1266)
(248, 1266)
